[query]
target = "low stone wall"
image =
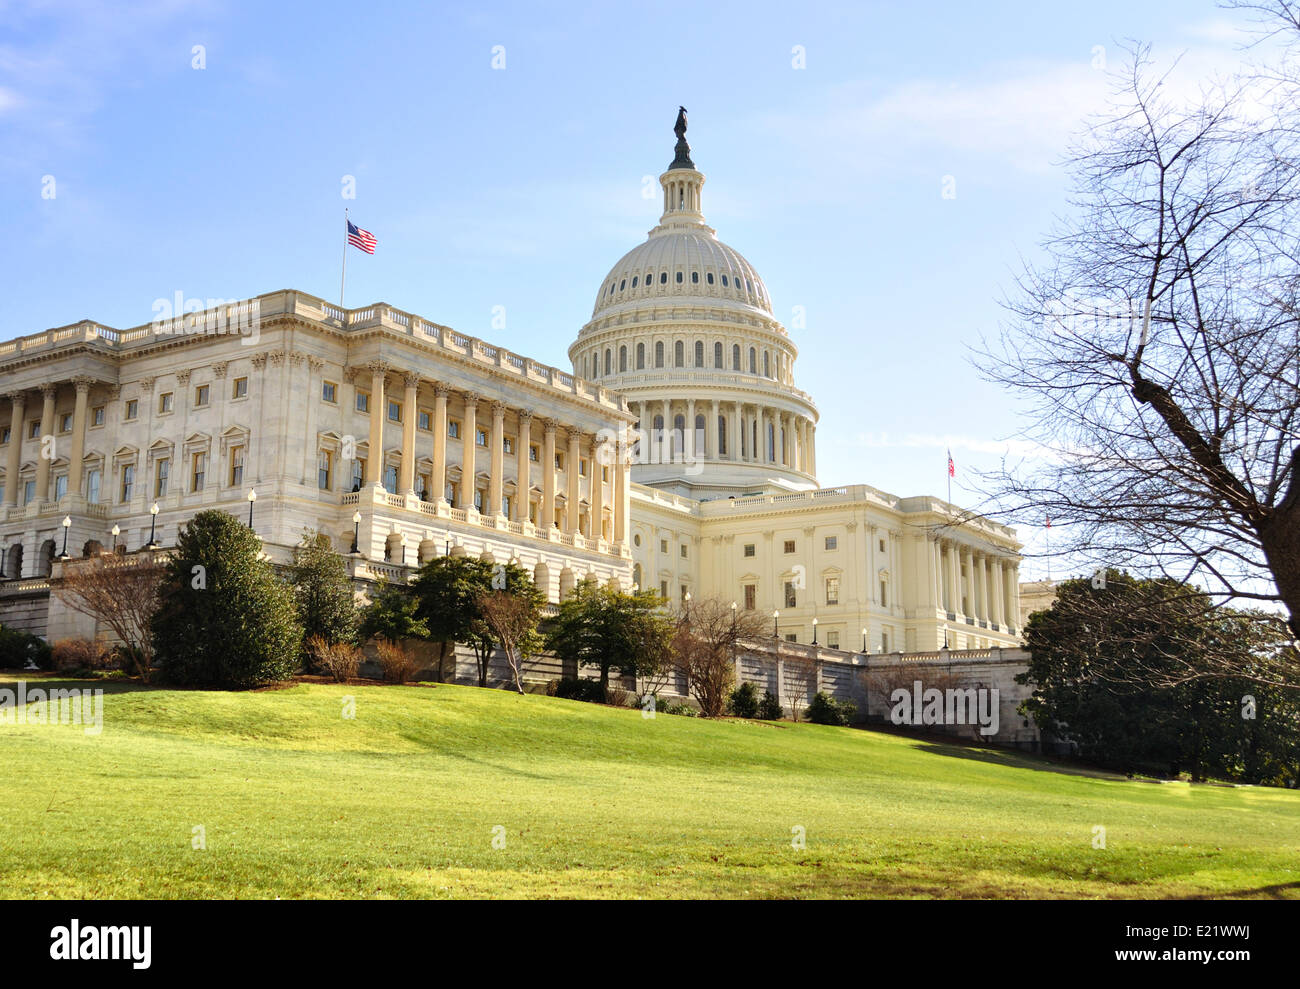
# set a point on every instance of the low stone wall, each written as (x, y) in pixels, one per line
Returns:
(25, 604)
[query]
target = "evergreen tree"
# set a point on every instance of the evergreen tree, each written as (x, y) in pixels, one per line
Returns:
(323, 594)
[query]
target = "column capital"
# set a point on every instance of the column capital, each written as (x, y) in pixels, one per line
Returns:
(83, 383)
(525, 417)
(18, 398)
(49, 389)
(146, 384)
(498, 410)
(471, 400)
(183, 377)
(441, 389)
(410, 379)
(377, 367)
(219, 369)
(549, 425)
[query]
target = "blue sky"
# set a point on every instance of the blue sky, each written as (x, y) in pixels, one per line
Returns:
(520, 187)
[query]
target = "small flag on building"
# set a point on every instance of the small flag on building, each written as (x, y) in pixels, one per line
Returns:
(363, 239)
(952, 468)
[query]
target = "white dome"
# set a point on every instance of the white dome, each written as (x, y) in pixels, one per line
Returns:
(682, 265)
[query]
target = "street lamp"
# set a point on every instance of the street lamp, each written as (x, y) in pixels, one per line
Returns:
(775, 634)
(864, 640)
(116, 532)
(153, 522)
(252, 497)
(814, 631)
(356, 530)
(67, 524)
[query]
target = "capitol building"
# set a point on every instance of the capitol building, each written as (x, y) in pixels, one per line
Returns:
(674, 452)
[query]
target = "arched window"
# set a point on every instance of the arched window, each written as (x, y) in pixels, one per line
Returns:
(699, 353)
(679, 278)
(767, 365)
(659, 353)
(609, 358)
(634, 281)
(735, 357)
(709, 278)
(717, 354)
(695, 278)
(663, 278)
(622, 359)
(724, 282)
(722, 436)
(595, 363)
(622, 284)
(640, 357)
(678, 439)
(753, 361)
(679, 354)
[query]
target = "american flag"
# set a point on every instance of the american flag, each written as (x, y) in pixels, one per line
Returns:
(952, 468)
(363, 239)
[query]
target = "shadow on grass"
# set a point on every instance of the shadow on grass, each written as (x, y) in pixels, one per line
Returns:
(50, 681)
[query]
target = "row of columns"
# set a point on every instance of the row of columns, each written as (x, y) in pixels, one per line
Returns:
(793, 442)
(601, 453)
(991, 583)
(46, 454)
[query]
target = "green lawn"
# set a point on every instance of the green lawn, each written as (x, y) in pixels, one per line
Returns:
(402, 801)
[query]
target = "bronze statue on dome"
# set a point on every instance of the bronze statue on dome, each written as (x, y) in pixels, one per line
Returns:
(682, 158)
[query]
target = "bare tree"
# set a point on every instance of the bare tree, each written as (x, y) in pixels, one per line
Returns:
(513, 620)
(704, 649)
(797, 671)
(1159, 345)
(120, 592)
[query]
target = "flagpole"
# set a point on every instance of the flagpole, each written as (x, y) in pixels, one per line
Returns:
(344, 277)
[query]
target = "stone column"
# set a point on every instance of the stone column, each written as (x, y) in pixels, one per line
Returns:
(954, 578)
(733, 432)
(439, 479)
(523, 466)
(496, 486)
(13, 457)
(711, 430)
(378, 410)
(999, 588)
(547, 520)
(666, 440)
(688, 434)
(812, 448)
(764, 419)
(410, 411)
(44, 462)
(573, 493)
(981, 589)
(597, 487)
(622, 496)
(469, 451)
(78, 451)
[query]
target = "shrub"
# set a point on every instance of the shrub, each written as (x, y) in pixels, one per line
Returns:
(769, 708)
(225, 618)
(616, 696)
(397, 662)
(685, 710)
(578, 689)
(323, 595)
(826, 710)
(743, 702)
(18, 648)
(79, 654)
(341, 660)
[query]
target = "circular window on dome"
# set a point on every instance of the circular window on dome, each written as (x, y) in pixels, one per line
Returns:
(695, 278)
(634, 281)
(724, 281)
(679, 278)
(663, 278)
(709, 278)
(622, 285)
(637, 539)
(749, 285)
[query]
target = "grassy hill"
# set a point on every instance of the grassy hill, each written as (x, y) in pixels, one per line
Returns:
(402, 801)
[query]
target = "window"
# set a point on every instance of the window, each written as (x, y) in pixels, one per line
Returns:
(478, 500)
(751, 596)
(832, 590)
(832, 542)
(608, 361)
(34, 433)
(198, 471)
(358, 474)
(162, 470)
(663, 589)
(659, 354)
(724, 281)
(5, 433)
(324, 465)
(97, 416)
(695, 278)
(480, 437)
(390, 479)
(329, 392)
(663, 546)
(424, 420)
(60, 486)
(394, 411)
(749, 549)
(791, 599)
(663, 280)
(559, 461)
(791, 636)
(363, 401)
(453, 428)
(884, 598)
(679, 278)
(882, 545)
(640, 356)
(236, 466)
(683, 548)
(789, 545)
(709, 278)
(29, 492)
(622, 359)
(128, 481)
(753, 361)
(92, 486)
(679, 354)
(833, 639)
(699, 353)
(884, 641)
(735, 347)
(534, 453)
(65, 422)
(507, 445)
(201, 396)
(717, 351)
(240, 388)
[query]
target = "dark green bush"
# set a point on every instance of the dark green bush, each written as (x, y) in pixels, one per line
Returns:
(826, 710)
(743, 702)
(769, 708)
(17, 648)
(579, 690)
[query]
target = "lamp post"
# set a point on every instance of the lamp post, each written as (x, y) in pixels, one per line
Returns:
(252, 497)
(153, 523)
(356, 531)
(814, 631)
(67, 524)
(4, 552)
(775, 633)
(864, 640)
(116, 532)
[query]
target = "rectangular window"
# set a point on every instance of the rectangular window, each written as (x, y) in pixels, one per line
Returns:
(683, 591)
(453, 428)
(60, 486)
(582, 468)
(363, 401)
(240, 388)
(329, 392)
(884, 641)
(882, 545)
(832, 590)
(92, 486)
(507, 445)
(478, 500)
(683, 549)
(5, 433)
(97, 416)
(198, 471)
(324, 463)
(751, 597)
(29, 492)
(663, 589)
(789, 545)
(791, 599)
(663, 546)
(791, 636)
(132, 409)
(358, 474)
(35, 432)
(128, 481)
(201, 396)
(559, 461)
(161, 471)
(749, 549)
(884, 602)
(65, 422)
(424, 420)
(480, 437)
(832, 542)
(394, 411)
(533, 453)
(390, 479)
(236, 466)
(165, 402)
(833, 639)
